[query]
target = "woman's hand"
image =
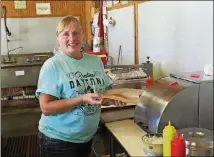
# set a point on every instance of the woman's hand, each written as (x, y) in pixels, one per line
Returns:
(92, 99)
(113, 102)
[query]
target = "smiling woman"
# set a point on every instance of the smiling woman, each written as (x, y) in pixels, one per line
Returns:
(70, 108)
(70, 36)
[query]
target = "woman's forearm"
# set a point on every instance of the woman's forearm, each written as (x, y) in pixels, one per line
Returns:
(51, 107)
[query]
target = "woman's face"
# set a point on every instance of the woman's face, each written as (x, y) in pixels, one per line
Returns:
(70, 40)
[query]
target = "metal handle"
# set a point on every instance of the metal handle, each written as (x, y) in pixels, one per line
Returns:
(41, 56)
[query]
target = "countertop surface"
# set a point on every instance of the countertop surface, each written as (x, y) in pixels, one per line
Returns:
(129, 136)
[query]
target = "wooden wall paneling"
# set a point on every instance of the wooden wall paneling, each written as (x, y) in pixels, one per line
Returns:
(88, 17)
(120, 5)
(142, 1)
(58, 9)
(136, 31)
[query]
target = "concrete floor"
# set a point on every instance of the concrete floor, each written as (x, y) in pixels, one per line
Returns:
(26, 123)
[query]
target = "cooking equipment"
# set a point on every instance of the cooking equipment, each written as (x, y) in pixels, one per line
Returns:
(129, 76)
(185, 100)
(199, 141)
(19, 79)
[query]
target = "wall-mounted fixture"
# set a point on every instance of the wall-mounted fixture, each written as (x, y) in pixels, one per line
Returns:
(109, 22)
(9, 58)
(4, 12)
(7, 34)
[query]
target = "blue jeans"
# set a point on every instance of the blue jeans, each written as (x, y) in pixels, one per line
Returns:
(50, 147)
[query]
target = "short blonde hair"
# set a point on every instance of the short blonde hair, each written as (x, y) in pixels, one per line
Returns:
(66, 22)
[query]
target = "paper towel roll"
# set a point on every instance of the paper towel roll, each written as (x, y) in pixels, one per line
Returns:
(96, 44)
(106, 22)
(96, 31)
(208, 70)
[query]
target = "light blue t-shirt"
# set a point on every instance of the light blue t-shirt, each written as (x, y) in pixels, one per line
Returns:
(64, 77)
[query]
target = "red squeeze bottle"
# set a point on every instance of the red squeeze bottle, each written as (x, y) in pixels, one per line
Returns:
(178, 147)
(148, 81)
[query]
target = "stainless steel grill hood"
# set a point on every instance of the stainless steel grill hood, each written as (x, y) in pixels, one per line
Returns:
(185, 101)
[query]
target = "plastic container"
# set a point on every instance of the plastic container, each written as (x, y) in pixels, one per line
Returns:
(178, 147)
(156, 71)
(168, 134)
(153, 144)
(148, 81)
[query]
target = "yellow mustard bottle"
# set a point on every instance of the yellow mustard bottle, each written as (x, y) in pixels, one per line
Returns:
(168, 134)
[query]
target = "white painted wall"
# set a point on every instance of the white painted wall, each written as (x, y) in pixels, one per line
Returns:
(33, 34)
(177, 35)
(122, 34)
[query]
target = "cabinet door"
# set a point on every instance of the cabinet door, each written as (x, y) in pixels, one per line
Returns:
(122, 34)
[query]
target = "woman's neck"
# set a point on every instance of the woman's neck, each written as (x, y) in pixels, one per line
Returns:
(75, 55)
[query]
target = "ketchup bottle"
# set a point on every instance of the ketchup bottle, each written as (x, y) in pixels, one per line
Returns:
(148, 81)
(178, 148)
